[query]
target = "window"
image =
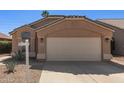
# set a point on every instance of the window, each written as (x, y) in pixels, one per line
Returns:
(24, 36)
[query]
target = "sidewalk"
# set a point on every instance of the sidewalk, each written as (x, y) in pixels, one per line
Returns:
(3, 55)
(2, 58)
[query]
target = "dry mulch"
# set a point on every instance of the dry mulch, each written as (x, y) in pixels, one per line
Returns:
(19, 75)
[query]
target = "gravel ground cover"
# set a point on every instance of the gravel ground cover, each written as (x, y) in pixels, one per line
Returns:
(20, 73)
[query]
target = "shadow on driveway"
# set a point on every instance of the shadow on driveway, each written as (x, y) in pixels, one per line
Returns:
(76, 68)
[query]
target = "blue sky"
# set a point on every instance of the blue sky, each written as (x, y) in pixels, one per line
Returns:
(10, 19)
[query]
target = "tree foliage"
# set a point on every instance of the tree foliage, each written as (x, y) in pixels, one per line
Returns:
(5, 46)
(45, 13)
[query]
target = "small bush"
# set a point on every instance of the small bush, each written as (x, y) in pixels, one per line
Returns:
(10, 66)
(19, 56)
(5, 47)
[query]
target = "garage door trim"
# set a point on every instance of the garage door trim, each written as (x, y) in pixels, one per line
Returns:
(100, 49)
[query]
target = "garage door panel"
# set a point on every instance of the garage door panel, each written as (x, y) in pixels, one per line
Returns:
(72, 49)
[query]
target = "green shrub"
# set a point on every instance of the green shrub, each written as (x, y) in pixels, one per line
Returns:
(19, 55)
(5, 47)
(10, 66)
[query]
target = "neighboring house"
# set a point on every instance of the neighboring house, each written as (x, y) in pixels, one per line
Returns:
(4, 37)
(118, 35)
(65, 38)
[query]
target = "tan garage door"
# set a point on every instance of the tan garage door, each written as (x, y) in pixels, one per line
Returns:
(74, 49)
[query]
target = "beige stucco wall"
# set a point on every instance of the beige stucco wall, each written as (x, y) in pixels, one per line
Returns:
(65, 28)
(119, 42)
(75, 28)
(16, 38)
(118, 34)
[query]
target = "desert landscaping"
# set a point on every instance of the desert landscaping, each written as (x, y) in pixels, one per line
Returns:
(36, 67)
(19, 74)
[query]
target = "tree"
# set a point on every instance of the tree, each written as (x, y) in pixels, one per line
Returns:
(45, 13)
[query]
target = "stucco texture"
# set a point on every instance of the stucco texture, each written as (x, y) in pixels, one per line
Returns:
(68, 27)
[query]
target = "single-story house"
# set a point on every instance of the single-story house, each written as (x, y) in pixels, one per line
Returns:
(65, 38)
(118, 35)
(4, 37)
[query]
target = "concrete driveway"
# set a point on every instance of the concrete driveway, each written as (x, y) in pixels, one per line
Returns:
(81, 72)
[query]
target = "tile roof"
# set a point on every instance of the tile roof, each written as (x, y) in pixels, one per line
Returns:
(3, 36)
(68, 16)
(57, 18)
(108, 25)
(117, 22)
